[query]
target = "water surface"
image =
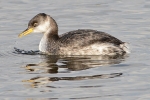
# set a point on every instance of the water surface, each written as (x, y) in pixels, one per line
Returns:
(41, 77)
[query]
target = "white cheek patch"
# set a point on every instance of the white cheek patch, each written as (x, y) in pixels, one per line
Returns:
(42, 28)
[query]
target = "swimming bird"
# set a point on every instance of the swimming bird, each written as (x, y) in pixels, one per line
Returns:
(76, 42)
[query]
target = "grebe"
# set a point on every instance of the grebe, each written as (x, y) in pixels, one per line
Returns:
(77, 42)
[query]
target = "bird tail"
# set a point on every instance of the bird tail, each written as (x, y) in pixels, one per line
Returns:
(125, 47)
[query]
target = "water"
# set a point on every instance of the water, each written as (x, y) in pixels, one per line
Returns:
(40, 77)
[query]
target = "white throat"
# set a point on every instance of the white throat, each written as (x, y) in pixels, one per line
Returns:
(43, 44)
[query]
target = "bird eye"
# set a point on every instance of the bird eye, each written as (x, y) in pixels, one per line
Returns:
(35, 24)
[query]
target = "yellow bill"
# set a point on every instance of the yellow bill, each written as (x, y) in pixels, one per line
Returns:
(26, 32)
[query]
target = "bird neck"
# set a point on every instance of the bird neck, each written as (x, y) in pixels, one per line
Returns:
(48, 43)
(52, 32)
(50, 37)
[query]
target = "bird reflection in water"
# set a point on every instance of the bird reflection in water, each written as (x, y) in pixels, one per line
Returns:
(66, 64)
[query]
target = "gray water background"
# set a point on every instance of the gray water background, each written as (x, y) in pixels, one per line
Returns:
(75, 78)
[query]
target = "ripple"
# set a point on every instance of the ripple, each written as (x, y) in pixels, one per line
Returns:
(92, 97)
(66, 64)
(38, 81)
(31, 52)
(10, 51)
(6, 52)
(57, 65)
